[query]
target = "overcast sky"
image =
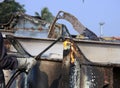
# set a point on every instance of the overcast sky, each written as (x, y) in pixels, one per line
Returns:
(90, 13)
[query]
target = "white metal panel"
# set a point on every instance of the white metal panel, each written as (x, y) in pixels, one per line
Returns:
(105, 53)
(35, 46)
(100, 52)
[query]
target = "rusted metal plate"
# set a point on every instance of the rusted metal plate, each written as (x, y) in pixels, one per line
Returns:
(96, 77)
(49, 74)
(88, 74)
(79, 27)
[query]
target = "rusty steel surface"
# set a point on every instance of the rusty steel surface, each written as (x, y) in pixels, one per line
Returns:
(47, 74)
(73, 20)
(93, 76)
(96, 77)
(55, 73)
(70, 63)
(89, 74)
(79, 27)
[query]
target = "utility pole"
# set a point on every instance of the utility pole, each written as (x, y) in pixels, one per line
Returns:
(101, 28)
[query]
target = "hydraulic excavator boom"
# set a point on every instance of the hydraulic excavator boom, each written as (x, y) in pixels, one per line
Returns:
(81, 29)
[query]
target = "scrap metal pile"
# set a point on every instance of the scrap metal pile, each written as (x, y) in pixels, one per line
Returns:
(65, 62)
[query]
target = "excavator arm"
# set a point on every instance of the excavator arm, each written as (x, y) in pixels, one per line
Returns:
(81, 29)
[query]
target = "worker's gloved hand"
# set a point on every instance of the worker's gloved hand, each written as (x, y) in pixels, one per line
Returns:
(26, 63)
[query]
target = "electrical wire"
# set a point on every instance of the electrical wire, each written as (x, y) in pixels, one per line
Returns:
(18, 72)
